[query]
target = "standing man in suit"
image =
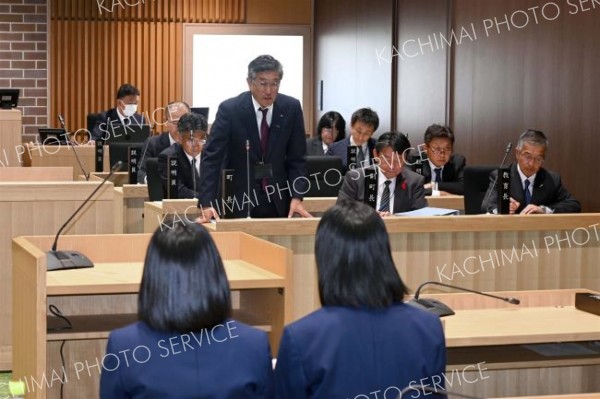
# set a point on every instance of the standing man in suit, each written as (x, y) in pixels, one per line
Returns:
(157, 144)
(268, 128)
(124, 113)
(331, 126)
(533, 189)
(363, 124)
(192, 130)
(442, 166)
(388, 186)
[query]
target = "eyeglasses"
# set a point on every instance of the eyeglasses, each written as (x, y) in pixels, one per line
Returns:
(195, 141)
(263, 84)
(530, 158)
(440, 151)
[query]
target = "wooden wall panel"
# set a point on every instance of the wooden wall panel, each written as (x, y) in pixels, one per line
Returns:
(541, 76)
(94, 50)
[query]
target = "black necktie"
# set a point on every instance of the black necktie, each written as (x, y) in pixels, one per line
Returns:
(194, 173)
(527, 192)
(360, 155)
(438, 175)
(126, 121)
(384, 206)
(264, 130)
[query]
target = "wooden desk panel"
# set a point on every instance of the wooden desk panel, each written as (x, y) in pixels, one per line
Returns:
(42, 208)
(321, 204)
(11, 130)
(64, 155)
(20, 174)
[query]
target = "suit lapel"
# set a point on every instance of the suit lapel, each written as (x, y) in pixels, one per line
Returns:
(538, 187)
(400, 194)
(516, 188)
(275, 132)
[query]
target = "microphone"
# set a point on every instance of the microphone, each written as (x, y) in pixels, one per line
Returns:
(489, 193)
(427, 388)
(441, 309)
(248, 173)
(62, 260)
(146, 146)
(85, 174)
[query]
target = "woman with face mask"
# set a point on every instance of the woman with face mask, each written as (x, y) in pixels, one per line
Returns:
(124, 113)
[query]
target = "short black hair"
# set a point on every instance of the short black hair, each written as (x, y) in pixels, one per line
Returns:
(184, 286)
(191, 122)
(354, 259)
(398, 141)
(366, 116)
(264, 63)
(533, 137)
(436, 131)
(127, 90)
(330, 120)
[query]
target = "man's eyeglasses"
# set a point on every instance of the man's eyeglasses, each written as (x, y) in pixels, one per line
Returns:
(263, 84)
(440, 151)
(530, 158)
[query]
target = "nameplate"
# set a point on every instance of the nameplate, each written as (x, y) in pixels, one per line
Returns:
(99, 156)
(370, 187)
(352, 156)
(172, 178)
(504, 191)
(134, 155)
(228, 203)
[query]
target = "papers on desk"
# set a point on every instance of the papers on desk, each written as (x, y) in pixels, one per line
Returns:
(429, 211)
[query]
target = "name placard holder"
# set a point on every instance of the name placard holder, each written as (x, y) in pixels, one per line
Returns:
(504, 191)
(172, 178)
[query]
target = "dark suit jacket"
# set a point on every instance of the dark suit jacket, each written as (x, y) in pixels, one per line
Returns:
(232, 360)
(339, 352)
(452, 175)
(340, 149)
(106, 120)
(408, 199)
(151, 149)
(314, 146)
(226, 149)
(185, 178)
(547, 190)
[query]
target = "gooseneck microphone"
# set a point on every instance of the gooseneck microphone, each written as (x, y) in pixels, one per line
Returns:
(441, 309)
(62, 123)
(147, 144)
(489, 193)
(248, 173)
(62, 260)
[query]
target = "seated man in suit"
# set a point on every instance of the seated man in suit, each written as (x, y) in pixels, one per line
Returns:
(533, 189)
(363, 124)
(388, 186)
(157, 144)
(442, 166)
(331, 127)
(124, 113)
(192, 130)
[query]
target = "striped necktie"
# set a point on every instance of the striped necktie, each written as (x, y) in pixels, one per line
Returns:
(384, 206)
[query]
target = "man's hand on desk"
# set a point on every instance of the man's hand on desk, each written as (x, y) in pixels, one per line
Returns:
(531, 209)
(514, 205)
(384, 214)
(296, 207)
(207, 215)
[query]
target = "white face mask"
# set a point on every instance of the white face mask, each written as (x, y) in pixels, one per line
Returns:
(129, 110)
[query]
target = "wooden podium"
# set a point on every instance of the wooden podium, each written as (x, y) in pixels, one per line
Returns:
(542, 346)
(11, 128)
(102, 298)
(30, 207)
(63, 155)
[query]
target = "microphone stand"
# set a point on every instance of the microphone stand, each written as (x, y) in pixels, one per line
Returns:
(248, 174)
(85, 174)
(489, 193)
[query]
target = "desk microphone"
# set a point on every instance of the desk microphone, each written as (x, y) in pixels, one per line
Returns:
(146, 146)
(434, 390)
(62, 123)
(437, 307)
(489, 193)
(248, 173)
(62, 260)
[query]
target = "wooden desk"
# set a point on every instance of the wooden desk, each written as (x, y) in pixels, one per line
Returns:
(59, 173)
(129, 208)
(42, 208)
(487, 252)
(55, 155)
(11, 129)
(318, 205)
(103, 298)
(486, 330)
